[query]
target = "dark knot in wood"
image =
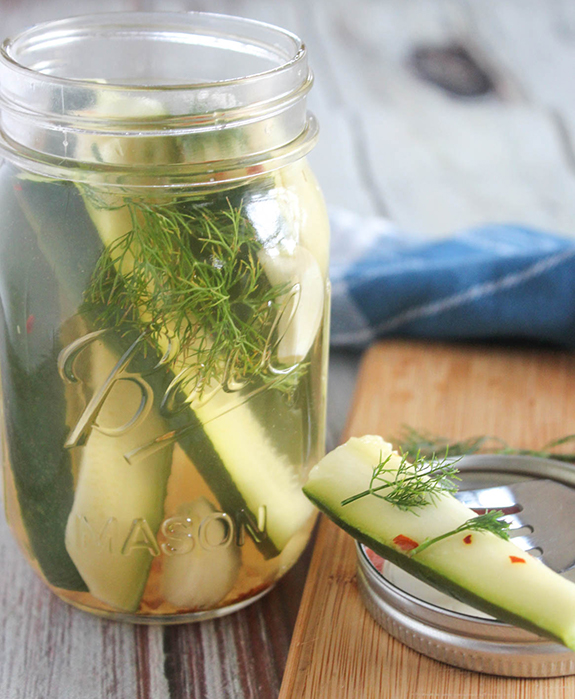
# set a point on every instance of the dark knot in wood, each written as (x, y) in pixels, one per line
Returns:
(451, 68)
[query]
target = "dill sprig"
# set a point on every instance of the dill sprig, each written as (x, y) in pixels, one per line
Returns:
(488, 522)
(410, 485)
(430, 445)
(189, 274)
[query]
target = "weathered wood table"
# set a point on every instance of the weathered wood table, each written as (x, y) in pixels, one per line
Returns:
(437, 113)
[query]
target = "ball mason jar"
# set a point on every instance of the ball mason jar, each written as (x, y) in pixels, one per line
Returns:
(164, 309)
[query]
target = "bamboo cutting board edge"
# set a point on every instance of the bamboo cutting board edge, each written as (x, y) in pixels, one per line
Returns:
(338, 651)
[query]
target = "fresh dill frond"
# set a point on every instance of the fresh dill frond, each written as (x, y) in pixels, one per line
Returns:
(488, 522)
(189, 273)
(428, 445)
(410, 485)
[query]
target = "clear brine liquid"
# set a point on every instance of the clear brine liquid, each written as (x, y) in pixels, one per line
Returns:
(163, 380)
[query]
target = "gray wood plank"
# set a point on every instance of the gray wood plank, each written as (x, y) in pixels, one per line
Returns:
(445, 162)
(49, 650)
(534, 41)
(404, 146)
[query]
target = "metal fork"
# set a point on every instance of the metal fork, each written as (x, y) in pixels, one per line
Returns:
(542, 517)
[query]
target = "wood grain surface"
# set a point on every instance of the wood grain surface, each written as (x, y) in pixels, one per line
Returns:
(524, 396)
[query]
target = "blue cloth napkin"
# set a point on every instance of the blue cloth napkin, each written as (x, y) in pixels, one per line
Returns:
(495, 281)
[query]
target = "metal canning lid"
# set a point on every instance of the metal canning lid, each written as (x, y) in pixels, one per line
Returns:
(475, 642)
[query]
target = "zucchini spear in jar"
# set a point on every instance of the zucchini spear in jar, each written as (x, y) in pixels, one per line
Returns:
(35, 422)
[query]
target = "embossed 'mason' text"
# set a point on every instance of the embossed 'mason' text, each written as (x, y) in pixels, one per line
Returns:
(176, 535)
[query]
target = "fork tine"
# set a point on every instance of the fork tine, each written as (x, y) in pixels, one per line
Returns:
(496, 498)
(540, 511)
(516, 522)
(524, 542)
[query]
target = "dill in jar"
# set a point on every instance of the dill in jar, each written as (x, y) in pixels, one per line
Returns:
(190, 275)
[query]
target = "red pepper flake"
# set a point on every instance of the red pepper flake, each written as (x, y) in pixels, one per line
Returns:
(467, 539)
(254, 169)
(17, 187)
(516, 559)
(405, 543)
(30, 323)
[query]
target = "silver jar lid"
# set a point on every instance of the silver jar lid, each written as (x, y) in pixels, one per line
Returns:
(465, 638)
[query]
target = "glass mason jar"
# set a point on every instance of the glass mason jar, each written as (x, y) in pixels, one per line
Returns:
(164, 308)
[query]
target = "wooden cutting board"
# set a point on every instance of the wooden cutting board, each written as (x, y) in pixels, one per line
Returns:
(527, 397)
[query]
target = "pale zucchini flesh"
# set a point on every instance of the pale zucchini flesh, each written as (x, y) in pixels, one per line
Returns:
(118, 507)
(482, 574)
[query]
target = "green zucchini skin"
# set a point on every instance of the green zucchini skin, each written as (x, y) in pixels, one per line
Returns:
(35, 433)
(34, 403)
(64, 231)
(429, 576)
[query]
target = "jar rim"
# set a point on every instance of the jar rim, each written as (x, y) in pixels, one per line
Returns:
(67, 84)
(132, 18)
